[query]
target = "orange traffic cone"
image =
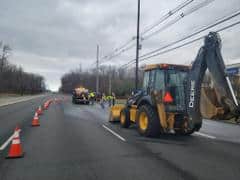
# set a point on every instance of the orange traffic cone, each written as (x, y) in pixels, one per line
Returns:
(45, 106)
(39, 111)
(16, 148)
(17, 128)
(35, 121)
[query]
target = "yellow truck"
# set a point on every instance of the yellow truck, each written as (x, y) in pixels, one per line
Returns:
(80, 95)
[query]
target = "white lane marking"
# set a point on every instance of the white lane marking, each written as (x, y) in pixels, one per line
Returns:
(115, 134)
(204, 135)
(8, 141)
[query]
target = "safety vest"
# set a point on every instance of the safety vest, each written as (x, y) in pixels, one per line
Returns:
(109, 97)
(104, 98)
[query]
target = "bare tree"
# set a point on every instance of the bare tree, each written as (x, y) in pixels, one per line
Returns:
(112, 79)
(13, 79)
(3, 59)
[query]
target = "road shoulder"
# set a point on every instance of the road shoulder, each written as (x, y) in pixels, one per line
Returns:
(5, 101)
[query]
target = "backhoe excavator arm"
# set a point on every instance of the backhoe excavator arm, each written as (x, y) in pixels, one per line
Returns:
(209, 57)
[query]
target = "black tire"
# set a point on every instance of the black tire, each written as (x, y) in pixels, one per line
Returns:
(125, 118)
(73, 101)
(153, 128)
(188, 133)
(183, 132)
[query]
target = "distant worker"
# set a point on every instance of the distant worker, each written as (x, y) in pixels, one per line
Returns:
(113, 98)
(103, 100)
(92, 98)
(109, 99)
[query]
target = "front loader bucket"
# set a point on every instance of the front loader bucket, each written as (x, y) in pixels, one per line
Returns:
(115, 112)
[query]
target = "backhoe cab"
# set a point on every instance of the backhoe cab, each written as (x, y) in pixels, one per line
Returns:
(169, 100)
(159, 107)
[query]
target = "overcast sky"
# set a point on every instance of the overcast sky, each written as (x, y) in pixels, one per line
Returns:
(51, 37)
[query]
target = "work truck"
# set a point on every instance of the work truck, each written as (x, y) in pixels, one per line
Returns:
(80, 95)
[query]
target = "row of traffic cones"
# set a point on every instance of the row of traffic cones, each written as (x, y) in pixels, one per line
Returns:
(16, 150)
(16, 147)
(46, 104)
(35, 121)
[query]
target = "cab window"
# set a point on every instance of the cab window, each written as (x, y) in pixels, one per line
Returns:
(159, 83)
(175, 85)
(151, 79)
(146, 80)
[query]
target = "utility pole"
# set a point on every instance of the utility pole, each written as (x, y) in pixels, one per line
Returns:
(97, 77)
(138, 45)
(110, 84)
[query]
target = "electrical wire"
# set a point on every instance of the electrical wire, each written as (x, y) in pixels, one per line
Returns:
(166, 16)
(182, 45)
(216, 22)
(119, 53)
(162, 19)
(117, 49)
(178, 18)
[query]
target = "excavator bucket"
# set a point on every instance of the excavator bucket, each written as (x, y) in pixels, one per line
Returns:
(209, 57)
(209, 105)
(217, 69)
(115, 112)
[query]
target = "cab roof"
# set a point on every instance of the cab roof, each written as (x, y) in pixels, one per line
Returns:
(166, 66)
(81, 89)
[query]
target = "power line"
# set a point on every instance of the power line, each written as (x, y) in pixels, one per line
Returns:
(178, 18)
(118, 49)
(162, 19)
(166, 16)
(203, 4)
(124, 45)
(182, 45)
(190, 42)
(119, 53)
(219, 21)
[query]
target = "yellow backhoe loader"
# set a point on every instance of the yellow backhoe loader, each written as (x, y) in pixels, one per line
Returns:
(169, 100)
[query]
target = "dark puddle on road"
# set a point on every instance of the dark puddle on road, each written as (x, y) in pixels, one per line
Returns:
(132, 135)
(167, 139)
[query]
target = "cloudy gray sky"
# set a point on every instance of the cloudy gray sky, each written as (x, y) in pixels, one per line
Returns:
(51, 37)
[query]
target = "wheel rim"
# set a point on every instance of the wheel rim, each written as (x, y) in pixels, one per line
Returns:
(122, 118)
(143, 121)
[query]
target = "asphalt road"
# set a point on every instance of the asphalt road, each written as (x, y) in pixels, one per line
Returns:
(76, 142)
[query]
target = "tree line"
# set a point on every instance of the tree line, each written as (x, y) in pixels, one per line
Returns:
(14, 79)
(118, 80)
(111, 79)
